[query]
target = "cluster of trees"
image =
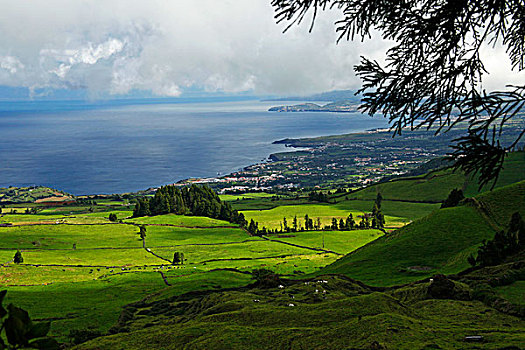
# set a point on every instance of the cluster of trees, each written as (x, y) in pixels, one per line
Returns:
(503, 244)
(455, 196)
(318, 197)
(193, 200)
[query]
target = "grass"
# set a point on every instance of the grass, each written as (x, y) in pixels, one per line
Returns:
(501, 204)
(181, 220)
(345, 316)
(342, 242)
(64, 236)
(432, 187)
(440, 242)
(169, 236)
(513, 292)
(86, 287)
(234, 197)
(16, 218)
(82, 305)
(406, 211)
(272, 218)
(196, 254)
(92, 257)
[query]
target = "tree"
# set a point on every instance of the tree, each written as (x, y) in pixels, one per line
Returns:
(350, 223)
(285, 225)
(112, 217)
(307, 222)
(378, 219)
(334, 224)
(18, 259)
(433, 75)
(294, 224)
(379, 199)
(455, 196)
(178, 258)
(253, 227)
(142, 232)
(342, 225)
(503, 244)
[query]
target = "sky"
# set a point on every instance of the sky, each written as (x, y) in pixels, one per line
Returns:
(167, 47)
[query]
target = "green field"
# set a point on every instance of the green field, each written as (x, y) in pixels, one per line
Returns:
(337, 241)
(416, 251)
(64, 236)
(81, 271)
(180, 220)
(87, 286)
(439, 242)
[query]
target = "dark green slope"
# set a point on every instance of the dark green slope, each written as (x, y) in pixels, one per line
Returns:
(440, 242)
(330, 312)
(436, 185)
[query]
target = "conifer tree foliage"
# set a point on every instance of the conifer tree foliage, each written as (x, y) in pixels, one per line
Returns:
(193, 200)
(18, 259)
(433, 75)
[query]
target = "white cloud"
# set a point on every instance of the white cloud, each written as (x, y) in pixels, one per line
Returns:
(10, 64)
(166, 46)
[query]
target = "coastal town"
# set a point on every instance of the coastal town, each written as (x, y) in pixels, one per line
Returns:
(349, 161)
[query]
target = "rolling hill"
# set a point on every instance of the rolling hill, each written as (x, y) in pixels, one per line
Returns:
(437, 243)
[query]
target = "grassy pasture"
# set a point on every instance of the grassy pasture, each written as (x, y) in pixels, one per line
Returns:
(197, 254)
(91, 257)
(181, 220)
(272, 218)
(16, 218)
(233, 197)
(64, 236)
(432, 187)
(308, 262)
(169, 235)
(342, 242)
(405, 211)
(440, 242)
(347, 316)
(88, 287)
(81, 305)
(503, 203)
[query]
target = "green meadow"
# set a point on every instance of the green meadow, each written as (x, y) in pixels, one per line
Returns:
(85, 273)
(79, 269)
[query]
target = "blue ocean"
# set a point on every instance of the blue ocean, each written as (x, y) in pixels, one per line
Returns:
(117, 147)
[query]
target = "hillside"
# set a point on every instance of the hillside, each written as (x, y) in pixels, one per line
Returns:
(435, 186)
(328, 312)
(32, 194)
(332, 310)
(438, 243)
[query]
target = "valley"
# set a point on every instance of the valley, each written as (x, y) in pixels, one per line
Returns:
(92, 276)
